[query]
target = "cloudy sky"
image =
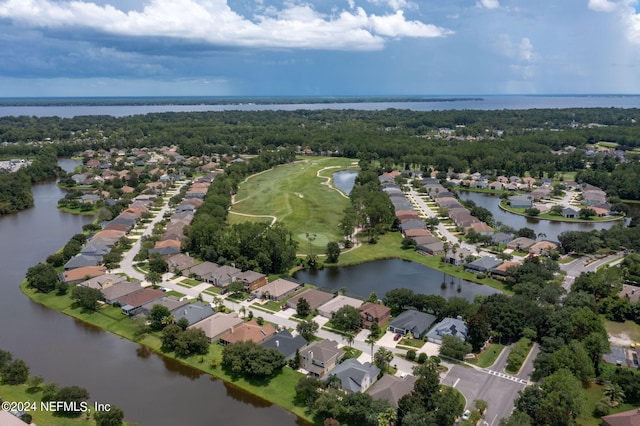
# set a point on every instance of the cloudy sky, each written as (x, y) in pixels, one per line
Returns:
(318, 47)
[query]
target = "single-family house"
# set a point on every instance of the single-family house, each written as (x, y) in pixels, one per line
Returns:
(180, 262)
(320, 357)
(285, 343)
(503, 269)
(82, 274)
(543, 247)
(496, 186)
(392, 388)
(314, 297)
(501, 238)
(520, 244)
(82, 260)
(481, 228)
(412, 224)
(374, 313)
(252, 280)
(132, 303)
(448, 327)
(521, 201)
(433, 249)
(354, 376)
(411, 233)
(411, 321)
(114, 292)
(248, 331)
(218, 324)
(483, 264)
(277, 290)
(102, 281)
(625, 418)
(458, 258)
(172, 303)
(194, 312)
(329, 308)
(570, 212)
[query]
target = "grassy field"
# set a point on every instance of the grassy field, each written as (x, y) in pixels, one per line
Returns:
(629, 328)
(489, 355)
(298, 198)
(279, 389)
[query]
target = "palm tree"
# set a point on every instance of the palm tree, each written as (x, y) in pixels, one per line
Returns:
(371, 340)
(349, 337)
(388, 417)
(614, 393)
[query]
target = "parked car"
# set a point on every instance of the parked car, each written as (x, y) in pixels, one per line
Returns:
(397, 337)
(285, 307)
(252, 297)
(466, 415)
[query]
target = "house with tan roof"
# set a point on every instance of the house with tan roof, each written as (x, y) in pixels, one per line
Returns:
(277, 290)
(626, 418)
(102, 281)
(329, 308)
(320, 357)
(113, 293)
(314, 297)
(218, 324)
(82, 274)
(392, 388)
(248, 331)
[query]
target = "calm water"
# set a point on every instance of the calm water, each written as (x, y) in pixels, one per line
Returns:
(551, 229)
(384, 275)
(489, 102)
(345, 180)
(151, 389)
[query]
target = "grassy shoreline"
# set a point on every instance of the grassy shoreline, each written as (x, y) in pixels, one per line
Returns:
(279, 390)
(555, 218)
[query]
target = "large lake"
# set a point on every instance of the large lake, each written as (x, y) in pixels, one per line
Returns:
(151, 389)
(487, 102)
(384, 275)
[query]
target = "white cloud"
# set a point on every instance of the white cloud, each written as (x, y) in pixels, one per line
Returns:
(489, 4)
(215, 23)
(522, 51)
(602, 5)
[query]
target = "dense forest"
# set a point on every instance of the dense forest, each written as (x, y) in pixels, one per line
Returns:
(15, 188)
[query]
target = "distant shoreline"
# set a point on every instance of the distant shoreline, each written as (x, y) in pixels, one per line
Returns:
(214, 100)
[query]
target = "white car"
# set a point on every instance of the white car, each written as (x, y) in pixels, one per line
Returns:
(466, 415)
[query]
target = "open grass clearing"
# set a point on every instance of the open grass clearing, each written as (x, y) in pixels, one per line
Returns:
(299, 198)
(487, 357)
(623, 331)
(595, 393)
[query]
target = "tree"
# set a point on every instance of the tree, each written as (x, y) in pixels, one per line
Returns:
(250, 359)
(454, 347)
(349, 337)
(586, 213)
(302, 308)
(478, 326)
(615, 394)
(74, 396)
(371, 340)
(236, 287)
(191, 341)
(158, 264)
(382, 358)
(333, 252)
(112, 417)
(158, 316)
(86, 297)
(563, 400)
(373, 297)
(153, 277)
(308, 390)
(347, 318)
(34, 382)
(169, 337)
(15, 372)
(43, 277)
(307, 329)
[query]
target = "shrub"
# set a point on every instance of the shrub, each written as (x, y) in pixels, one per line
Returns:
(422, 358)
(411, 355)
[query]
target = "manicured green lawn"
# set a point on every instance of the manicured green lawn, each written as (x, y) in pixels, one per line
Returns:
(279, 389)
(190, 282)
(21, 393)
(412, 343)
(174, 293)
(489, 355)
(594, 394)
(298, 198)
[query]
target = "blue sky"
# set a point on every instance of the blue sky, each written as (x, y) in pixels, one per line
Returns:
(318, 47)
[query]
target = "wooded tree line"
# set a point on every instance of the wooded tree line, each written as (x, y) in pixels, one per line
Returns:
(256, 246)
(395, 138)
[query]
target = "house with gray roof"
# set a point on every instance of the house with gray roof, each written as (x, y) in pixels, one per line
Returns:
(320, 357)
(521, 201)
(392, 388)
(277, 290)
(170, 302)
(285, 343)
(314, 297)
(411, 321)
(355, 377)
(194, 312)
(501, 238)
(218, 324)
(328, 309)
(448, 327)
(82, 260)
(113, 293)
(483, 264)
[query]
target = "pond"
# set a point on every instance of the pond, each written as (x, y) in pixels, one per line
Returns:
(345, 180)
(547, 227)
(380, 276)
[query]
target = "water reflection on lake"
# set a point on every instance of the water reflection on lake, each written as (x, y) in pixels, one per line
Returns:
(345, 180)
(381, 276)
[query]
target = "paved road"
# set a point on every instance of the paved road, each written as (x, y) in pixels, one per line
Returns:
(585, 264)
